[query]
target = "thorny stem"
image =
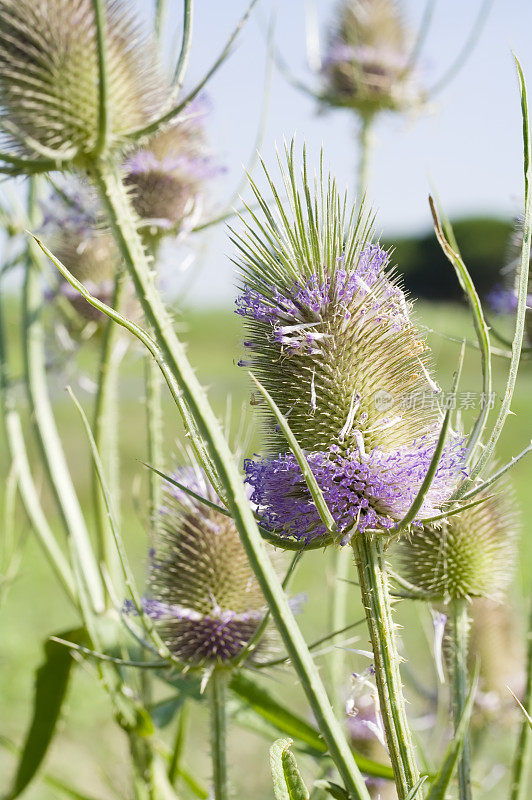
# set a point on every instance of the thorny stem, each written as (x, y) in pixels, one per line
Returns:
(216, 690)
(460, 634)
(106, 437)
(369, 556)
(191, 399)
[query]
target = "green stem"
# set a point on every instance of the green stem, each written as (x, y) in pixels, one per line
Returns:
(365, 141)
(373, 580)
(218, 735)
(106, 437)
(194, 406)
(460, 626)
(523, 752)
(341, 566)
(44, 423)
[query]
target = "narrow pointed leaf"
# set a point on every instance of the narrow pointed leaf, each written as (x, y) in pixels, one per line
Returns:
(51, 684)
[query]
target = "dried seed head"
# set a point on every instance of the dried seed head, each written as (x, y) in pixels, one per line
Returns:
(471, 554)
(49, 74)
(167, 175)
(202, 591)
(366, 66)
(329, 334)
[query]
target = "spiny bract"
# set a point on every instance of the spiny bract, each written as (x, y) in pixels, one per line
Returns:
(329, 335)
(366, 65)
(471, 554)
(49, 75)
(202, 591)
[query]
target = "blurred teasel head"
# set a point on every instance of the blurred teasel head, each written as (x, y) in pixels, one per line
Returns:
(329, 334)
(168, 174)
(470, 554)
(203, 595)
(49, 76)
(73, 225)
(366, 66)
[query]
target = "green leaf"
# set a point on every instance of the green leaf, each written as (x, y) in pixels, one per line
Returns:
(333, 789)
(51, 683)
(266, 706)
(287, 781)
(443, 778)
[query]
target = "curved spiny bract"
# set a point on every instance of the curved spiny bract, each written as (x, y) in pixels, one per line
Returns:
(203, 594)
(49, 75)
(366, 65)
(329, 334)
(471, 554)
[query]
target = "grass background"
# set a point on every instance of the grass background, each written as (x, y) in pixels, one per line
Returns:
(88, 749)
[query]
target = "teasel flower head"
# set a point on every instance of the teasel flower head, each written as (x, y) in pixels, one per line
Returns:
(470, 554)
(49, 75)
(73, 226)
(366, 66)
(202, 593)
(168, 175)
(329, 334)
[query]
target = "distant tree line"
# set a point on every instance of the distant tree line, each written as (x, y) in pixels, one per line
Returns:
(485, 246)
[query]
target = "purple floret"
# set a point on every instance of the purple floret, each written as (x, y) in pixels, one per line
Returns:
(362, 491)
(504, 301)
(293, 314)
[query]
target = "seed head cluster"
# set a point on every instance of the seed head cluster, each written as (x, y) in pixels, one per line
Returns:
(49, 75)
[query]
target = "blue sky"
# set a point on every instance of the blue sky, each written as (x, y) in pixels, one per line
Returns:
(468, 144)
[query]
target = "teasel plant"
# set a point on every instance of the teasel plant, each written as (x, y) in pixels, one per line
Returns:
(300, 268)
(329, 336)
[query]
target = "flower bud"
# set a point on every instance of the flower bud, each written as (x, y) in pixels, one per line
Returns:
(203, 594)
(366, 66)
(49, 75)
(471, 554)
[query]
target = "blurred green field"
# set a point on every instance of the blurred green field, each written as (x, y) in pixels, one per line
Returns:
(88, 749)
